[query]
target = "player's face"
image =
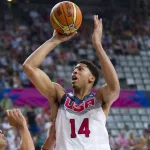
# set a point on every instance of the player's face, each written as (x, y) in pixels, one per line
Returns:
(3, 141)
(81, 76)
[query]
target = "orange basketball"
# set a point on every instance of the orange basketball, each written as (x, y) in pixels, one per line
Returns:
(66, 17)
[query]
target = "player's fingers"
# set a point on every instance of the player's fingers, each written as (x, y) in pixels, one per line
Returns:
(100, 21)
(73, 34)
(19, 112)
(54, 32)
(95, 21)
(97, 17)
(15, 113)
(9, 116)
(7, 113)
(0, 131)
(11, 113)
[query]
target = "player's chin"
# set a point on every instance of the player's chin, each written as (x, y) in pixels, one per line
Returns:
(74, 85)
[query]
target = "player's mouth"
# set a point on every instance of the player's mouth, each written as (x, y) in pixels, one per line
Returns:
(74, 78)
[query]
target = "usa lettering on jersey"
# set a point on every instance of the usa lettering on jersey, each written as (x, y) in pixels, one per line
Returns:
(69, 104)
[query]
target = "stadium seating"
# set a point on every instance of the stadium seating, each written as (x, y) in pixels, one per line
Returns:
(136, 119)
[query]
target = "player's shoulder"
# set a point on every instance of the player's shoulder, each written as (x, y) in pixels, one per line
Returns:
(99, 93)
(58, 86)
(60, 91)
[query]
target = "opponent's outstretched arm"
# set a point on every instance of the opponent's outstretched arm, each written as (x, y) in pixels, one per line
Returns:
(17, 120)
(110, 91)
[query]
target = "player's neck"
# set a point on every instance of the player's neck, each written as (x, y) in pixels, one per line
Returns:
(81, 93)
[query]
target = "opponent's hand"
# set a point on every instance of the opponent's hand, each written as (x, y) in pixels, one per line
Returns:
(98, 30)
(62, 37)
(16, 119)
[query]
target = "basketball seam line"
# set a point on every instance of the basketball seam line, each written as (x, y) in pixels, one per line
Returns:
(76, 18)
(73, 14)
(56, 21)
(65, 17)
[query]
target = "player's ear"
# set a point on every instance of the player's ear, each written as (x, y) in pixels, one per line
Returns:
(92, 78)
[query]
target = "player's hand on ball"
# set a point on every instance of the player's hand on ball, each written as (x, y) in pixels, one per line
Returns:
(98, 30)
(59, 38)
(15, 118)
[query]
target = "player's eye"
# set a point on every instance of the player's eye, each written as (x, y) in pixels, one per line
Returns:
(81, 69)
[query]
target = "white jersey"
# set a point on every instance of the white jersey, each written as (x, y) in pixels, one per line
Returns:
(80, 124)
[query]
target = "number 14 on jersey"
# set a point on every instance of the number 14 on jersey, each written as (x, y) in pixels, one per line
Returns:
(84, 128)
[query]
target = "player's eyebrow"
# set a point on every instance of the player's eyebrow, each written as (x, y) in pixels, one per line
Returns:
(79, 67)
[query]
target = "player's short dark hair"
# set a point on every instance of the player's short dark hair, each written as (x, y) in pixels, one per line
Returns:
(94, 70)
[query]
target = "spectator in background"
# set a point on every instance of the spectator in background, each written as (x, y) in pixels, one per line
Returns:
(117, 47)
(16, 80)
(142, 143)
(112, 141)
(5, 125)
(148, 130)
(131, 141)
(6, 103)
(72, 58)
(41, 119)
(113, 59)
(133, 47)
(47, 127)
(122, 142)
(31, 120)
(127, 131)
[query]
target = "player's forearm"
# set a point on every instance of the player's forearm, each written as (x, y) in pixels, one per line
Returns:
(49, 143)
(51, 140)
(37, 57)
(108, 69)
(26, 139)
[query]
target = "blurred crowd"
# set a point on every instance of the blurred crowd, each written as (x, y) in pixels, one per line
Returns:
(39, 122)
(128, 141)
(21, 33)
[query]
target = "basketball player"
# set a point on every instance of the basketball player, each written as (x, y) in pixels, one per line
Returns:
(81, 116)
(17, 120)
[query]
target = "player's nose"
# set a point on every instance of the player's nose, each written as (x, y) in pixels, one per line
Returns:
(75, 71)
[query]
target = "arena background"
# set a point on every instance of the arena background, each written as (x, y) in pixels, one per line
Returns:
(24, 26)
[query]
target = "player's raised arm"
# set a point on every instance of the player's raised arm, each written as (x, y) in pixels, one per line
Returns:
(32, 63)
(17, 120)
(109, 92)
